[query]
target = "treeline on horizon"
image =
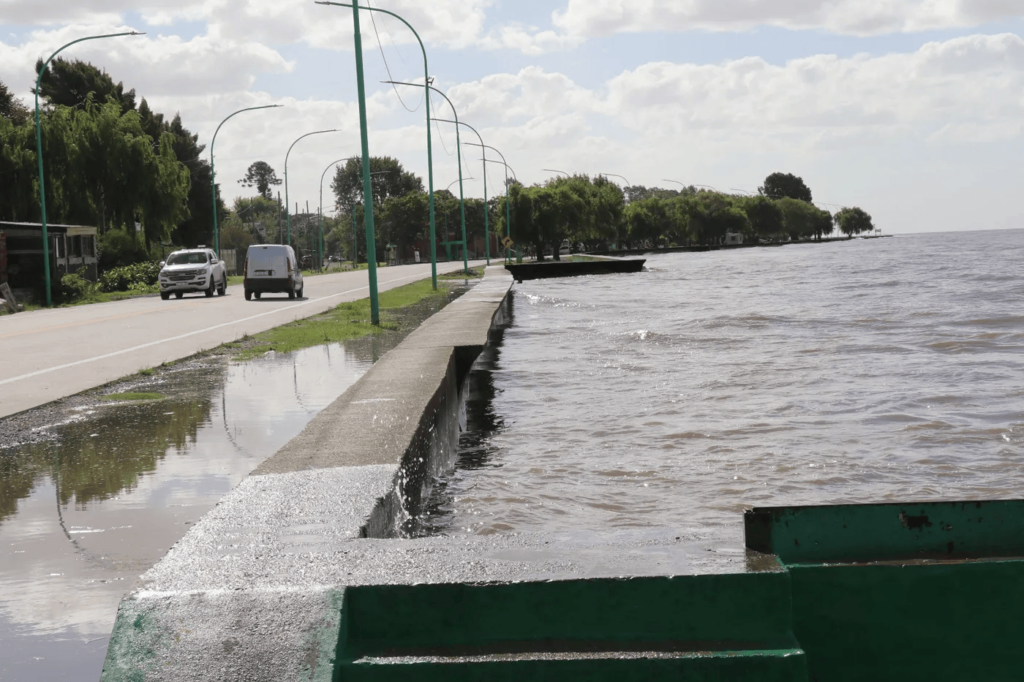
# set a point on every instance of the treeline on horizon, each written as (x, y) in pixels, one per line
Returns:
(593, 212)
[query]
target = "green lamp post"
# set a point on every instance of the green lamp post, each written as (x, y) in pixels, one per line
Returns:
(287, 211)
(458, 155)
(213, 172)
(368, 200)
(508, 200)
(39, 154)
(487, 227)
(319, 251)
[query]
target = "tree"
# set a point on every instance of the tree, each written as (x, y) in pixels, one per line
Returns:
(11, 107)
(853, 221)
(712, 214)
(822, 224)
(19, 196)
(803, 220)
(197, 228)
(261, 176)
(404, 219)
(646, 220)
(69, 82)
(780, 185)
(389, 179)
(766, 218)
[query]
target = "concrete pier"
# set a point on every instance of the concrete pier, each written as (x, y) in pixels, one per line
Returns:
(249, 590)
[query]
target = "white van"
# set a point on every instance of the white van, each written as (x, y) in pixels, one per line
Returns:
(271, 268)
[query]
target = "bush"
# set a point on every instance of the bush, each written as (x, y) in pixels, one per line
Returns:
(73, 287)
(130, 277)
(119, 248)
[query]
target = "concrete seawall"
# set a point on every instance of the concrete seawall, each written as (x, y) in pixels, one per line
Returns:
(254, 590)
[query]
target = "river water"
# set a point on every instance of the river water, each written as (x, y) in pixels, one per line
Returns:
(854, 371)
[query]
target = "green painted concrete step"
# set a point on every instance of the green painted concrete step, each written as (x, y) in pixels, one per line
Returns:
(723, 666)
(732, 612)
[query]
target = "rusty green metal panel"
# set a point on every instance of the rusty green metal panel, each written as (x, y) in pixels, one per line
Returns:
(749, 611)
(881, 532)
(914, 621)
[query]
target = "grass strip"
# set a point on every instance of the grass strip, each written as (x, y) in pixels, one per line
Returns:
(347, 321)
(129, 396)
(473, 273)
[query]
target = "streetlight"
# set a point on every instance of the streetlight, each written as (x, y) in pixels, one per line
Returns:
(366, 149)
(287, 213)
(355, 245)
(320, 243)
(464, 246)
(683, 185)
(39, 154)
(508, 199)
(454, 181)
(213, 173)
(458, 147)
(553, 170)
(735, 189)
(487, 226)
(616, 175)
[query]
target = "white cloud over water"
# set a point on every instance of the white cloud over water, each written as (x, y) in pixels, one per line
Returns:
(592, 18)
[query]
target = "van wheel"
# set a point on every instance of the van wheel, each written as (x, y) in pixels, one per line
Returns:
(291, 294)
(223, 288)
(165, 295)
(257, 295)
(179, 294)
(248, 295)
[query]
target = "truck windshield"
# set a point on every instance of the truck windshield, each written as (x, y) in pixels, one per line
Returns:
(186, 259)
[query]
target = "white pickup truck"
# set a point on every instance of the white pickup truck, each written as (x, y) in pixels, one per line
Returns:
(192, 270)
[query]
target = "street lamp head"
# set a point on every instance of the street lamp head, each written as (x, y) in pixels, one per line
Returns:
(136, 33)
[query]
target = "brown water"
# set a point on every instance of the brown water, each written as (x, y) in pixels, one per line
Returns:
(859, 371)
(86, 511)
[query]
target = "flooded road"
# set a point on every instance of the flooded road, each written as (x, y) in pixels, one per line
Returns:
(104, 494)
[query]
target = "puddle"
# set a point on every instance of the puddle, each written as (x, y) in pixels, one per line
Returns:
(84, 512)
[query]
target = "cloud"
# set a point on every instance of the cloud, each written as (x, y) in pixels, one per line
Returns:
(594, 18)
(530, 42)
(741, 119)
(153, 64)
(972, 79)
(533, 92)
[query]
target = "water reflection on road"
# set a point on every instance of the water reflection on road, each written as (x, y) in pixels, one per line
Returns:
(83, 514)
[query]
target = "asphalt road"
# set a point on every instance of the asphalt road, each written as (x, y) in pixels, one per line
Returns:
(50, 354)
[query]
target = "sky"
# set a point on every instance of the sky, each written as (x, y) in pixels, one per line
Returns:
(911, 109)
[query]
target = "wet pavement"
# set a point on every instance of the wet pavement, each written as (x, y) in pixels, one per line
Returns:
(93, 492)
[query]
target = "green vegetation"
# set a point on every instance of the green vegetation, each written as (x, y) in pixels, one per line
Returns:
(347, 321)
(130, 277)
(75, 290)
(459, 274)
(111, 162)
(599, 214)
(130, 396)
